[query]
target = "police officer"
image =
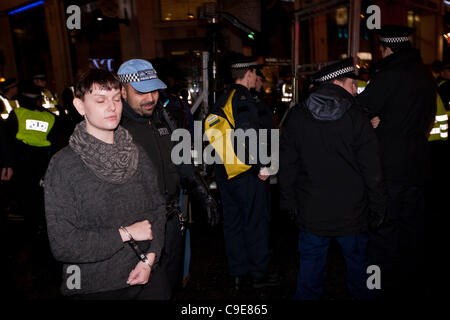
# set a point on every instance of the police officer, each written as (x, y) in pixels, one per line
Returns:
(31, 129)
(402, 95)
(444, 84)
(151, 121)
(50, 102)
(264, 112)
(6, 167)
(244, 196)
(9, 91)
(331, 180)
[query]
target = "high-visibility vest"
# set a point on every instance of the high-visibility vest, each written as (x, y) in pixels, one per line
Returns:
(50, 102)
(34, 126)
(361, 85)
(8, 106)
(218, 129)
(440, 128)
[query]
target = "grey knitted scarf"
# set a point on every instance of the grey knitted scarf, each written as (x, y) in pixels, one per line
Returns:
(114, 163)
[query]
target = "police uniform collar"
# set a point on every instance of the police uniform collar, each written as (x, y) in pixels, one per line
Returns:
(399, 58)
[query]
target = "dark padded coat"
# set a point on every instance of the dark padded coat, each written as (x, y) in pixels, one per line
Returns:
(329, 165)
(402, 93)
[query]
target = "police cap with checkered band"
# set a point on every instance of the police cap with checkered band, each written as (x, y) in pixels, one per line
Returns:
(243, 62)
(141, 75)
(391, 34)
(343, 68)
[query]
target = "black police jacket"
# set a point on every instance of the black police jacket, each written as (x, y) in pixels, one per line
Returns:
(330, 170)
(153, 134)
(402, 93)
(6, 148)
(264, 112)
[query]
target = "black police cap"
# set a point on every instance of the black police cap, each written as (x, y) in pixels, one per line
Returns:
(40, 76)
(31, 91)
(390, 34)
(343, 68)
(243, 62)
(8, 83)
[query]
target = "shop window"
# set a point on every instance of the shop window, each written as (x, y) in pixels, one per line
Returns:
(29, 35)
(175, 10)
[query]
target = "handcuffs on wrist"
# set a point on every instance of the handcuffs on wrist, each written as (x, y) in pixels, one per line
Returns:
(136, 248)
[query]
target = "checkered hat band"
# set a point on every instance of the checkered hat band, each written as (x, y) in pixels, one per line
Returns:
(394, 39)
(243, 65)
(30, 95)
(137, 77)
(337, 73)
(15, 83)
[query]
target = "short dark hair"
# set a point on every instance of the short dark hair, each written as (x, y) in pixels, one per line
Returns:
(340, 79)
(240, 73)
(86, 80)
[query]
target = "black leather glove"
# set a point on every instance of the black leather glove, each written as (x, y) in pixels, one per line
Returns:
(291, 213)
(198, 189)
(375, 220)
(212, 211)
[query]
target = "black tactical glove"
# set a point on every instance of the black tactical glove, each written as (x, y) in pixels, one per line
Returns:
(208, 203)
(198, 189)
(291, 213)
(212, 211)
(375, 220)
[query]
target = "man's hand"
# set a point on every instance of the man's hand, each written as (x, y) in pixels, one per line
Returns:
(6, 174)
(375, 121)
(141, 273)
(264, 174)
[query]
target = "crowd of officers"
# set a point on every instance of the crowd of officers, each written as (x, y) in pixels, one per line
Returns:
(352, 167)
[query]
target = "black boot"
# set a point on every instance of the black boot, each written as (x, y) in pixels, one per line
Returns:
(267, 280)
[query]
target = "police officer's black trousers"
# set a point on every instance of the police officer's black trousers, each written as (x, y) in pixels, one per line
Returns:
(31, 168)
(397, 247)
(173, 252)
(246, 225)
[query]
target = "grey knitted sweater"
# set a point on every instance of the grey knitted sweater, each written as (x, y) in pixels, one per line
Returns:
(84, 214)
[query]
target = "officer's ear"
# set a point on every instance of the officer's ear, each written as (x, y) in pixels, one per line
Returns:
(79, 105)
